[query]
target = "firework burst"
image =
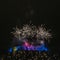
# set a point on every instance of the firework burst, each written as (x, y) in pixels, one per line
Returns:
(31, 31)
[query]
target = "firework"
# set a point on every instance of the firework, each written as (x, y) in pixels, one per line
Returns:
(40, 33)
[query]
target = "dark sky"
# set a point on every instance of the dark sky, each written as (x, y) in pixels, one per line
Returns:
(19, 12)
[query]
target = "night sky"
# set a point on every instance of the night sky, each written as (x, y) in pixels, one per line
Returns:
(19, 12)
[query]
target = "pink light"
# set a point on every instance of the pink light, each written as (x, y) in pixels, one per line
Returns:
(26, 44)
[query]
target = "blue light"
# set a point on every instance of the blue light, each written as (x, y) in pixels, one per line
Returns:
(37, 48)
(10, 50)
(41, 48)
